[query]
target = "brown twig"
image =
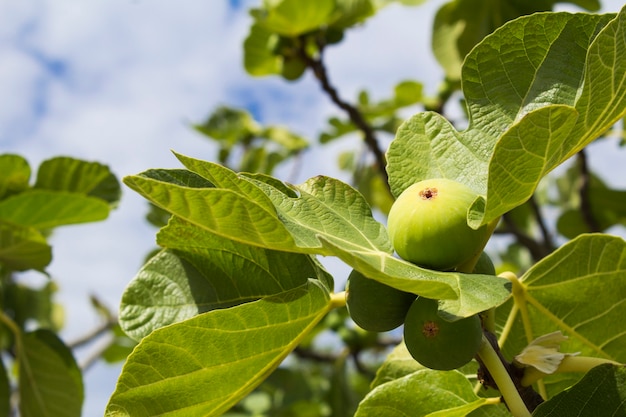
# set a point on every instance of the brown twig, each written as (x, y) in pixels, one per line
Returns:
(89, 337)
(545, 233)
(537, 249)
(585, 198)
(314, 355)
(319, 70)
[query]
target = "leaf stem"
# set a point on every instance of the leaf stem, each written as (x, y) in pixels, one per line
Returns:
(519, 297)
(501, 377)
(569, 363)
(337, 300)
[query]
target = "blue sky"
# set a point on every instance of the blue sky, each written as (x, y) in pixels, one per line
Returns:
(120, 81)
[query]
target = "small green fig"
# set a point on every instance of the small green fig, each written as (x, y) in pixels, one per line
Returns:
(439, 344)
(293, 68)
(375, 306)
(428, 224)
(484, 265)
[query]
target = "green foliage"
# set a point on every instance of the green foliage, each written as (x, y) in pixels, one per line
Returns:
(423, 393)
(461, 24)
(261, 148)
(286, 33)
(199, 347)
(602, 388)
(237, 289)
(66, 191)
(578, 289)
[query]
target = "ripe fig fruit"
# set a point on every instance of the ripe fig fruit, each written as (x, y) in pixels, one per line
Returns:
(375, 306)
(439, 344)
(428, 224)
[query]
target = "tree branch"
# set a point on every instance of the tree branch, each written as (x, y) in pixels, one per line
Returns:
(319, 70)
(87, 338)
(545, 233)
(585, 188)
(536, 249)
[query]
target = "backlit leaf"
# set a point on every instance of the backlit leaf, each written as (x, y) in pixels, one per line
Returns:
(23, 247)
(78, 176)
(422, 393)
(14, 174)
(580, 290)
(44, 209)
(205, 365)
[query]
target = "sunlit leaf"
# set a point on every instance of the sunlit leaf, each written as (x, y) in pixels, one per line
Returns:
(258, 58)
(580, 290)
(460, 24)
(44, 209)
(422, 393)
(78, 176)
(294, 17)
(398, 363)
(221, 211)
(463, 295)
(205, 365)
(525, 111)
(14, 174)
(23, 247)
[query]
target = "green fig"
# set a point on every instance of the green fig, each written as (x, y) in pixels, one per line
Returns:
(375, 306)
(428, 225)
(484, 265)
(293, 68)
(439, 344)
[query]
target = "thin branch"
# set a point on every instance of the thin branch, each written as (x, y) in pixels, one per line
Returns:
(547, 237)
(314, 355)
(319, 70)
(87, 338)
(504, 372)
(97, 353)
(536, 249)
(585, 198)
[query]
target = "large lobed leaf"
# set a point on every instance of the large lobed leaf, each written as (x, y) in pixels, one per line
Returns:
(205, 365)
(580, 289)
(460, 24)
(538, 90)
(322, 216)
